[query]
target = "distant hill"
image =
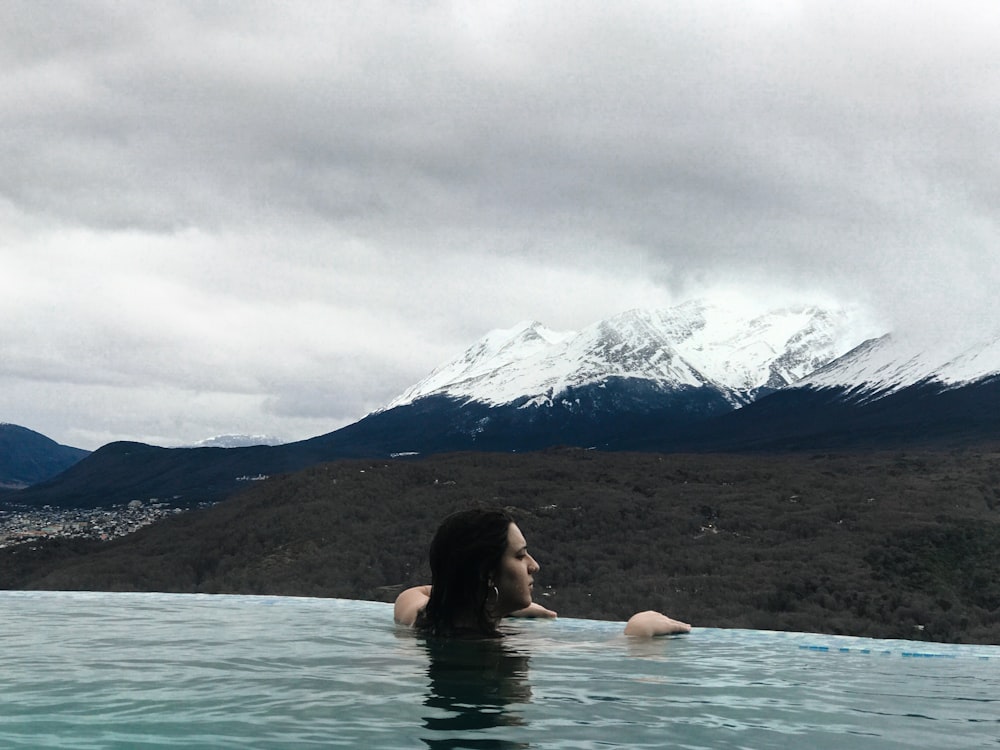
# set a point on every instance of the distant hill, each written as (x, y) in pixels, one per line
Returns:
(884, 544)
(28, 457)
(118, 473)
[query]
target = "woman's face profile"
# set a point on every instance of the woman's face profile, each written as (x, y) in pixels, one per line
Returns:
(515, 574)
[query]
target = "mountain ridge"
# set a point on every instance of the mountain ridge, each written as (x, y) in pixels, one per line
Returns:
(692, 345)
(889, 363)
(648, 398)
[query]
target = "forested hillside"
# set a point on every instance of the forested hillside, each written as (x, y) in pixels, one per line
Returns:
(890, 544)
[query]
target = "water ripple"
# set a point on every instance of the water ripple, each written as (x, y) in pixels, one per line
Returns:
(84, 671)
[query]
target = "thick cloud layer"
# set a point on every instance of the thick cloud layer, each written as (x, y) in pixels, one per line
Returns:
(273, 217)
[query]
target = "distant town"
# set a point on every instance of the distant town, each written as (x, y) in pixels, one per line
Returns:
(25, 524)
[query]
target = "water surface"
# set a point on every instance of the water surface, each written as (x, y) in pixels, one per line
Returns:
(97, 670)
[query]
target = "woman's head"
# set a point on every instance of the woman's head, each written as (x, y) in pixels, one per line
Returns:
(480, 571)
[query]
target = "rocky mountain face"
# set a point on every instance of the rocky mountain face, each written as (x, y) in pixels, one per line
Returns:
(890, 364)
(692, 346)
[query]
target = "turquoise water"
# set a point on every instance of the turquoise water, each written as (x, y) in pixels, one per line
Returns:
(95, 670)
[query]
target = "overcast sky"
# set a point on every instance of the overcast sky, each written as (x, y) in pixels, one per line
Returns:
(222, 217)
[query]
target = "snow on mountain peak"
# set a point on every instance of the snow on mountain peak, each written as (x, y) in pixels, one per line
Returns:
(237, 441)
(498, 349)
(693, 344)
(889, 363)
(770, 350)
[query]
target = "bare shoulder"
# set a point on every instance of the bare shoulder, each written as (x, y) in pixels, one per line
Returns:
(409, 603)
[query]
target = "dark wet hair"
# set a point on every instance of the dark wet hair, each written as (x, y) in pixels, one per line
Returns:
(464, 554)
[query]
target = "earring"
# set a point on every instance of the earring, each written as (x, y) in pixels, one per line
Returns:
(496, 595)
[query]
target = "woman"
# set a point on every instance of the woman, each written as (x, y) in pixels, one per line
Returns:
(481, 572)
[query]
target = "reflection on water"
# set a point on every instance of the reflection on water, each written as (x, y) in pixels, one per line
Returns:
(474, 686)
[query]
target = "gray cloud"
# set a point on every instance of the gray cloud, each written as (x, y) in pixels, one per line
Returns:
(312, 206)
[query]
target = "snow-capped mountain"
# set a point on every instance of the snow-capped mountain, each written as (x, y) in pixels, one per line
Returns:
(488, 370)
(694, 345)
(892, 390)
(654, 374)
(767, 351)
(889, 364)
(237, 441)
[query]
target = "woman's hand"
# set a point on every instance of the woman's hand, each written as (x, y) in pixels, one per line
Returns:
(534, 610)
(651, 623)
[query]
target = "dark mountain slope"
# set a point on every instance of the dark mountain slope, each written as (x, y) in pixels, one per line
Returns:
(922, 415)
(27, 457)
(582, 416)
(121, 472)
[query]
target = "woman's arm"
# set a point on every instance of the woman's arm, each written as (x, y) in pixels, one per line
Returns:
(650, 623)
(412, 600)
(534, 610)
(409, 603)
